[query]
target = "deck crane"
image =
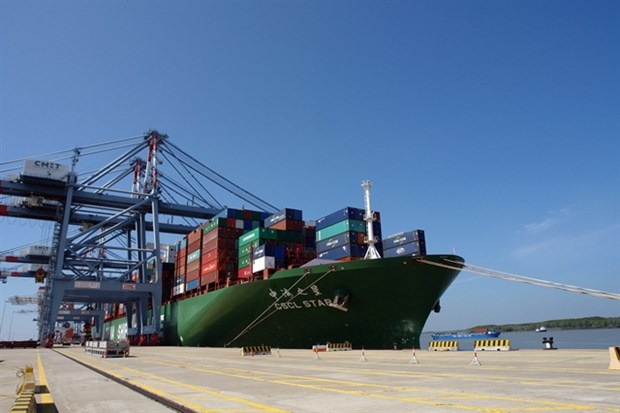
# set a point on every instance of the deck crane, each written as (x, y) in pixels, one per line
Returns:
(108, 225)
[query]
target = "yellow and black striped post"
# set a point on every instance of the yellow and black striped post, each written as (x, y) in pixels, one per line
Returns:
(451, 345)
(492, 345)
(255, 350)
(346, 346)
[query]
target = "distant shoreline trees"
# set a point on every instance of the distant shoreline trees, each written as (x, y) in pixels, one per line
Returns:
(562, 324)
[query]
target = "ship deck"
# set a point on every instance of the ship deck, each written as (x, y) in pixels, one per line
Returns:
(220, 379)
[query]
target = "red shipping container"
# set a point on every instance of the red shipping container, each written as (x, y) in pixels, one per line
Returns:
(194, 236)
(221, 232)
(193, 266)
(289, 225)
(194, 246)
(216, 276)
(209, 278)
(210, 267)
(245, 272)
(192, 275)
(218, 243)
(218, 265)
(218, 253)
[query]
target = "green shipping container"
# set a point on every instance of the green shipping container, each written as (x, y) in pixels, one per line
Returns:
(247, 248)
(340, 227)
(245, 261)
(215, 222)
(257, 234)
(193, 256)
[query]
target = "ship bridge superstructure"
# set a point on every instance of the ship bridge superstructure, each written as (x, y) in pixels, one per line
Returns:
(111, 224)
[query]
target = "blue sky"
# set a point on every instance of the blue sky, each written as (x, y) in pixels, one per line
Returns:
(493, 125)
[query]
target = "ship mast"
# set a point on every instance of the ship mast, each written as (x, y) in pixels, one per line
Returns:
(371, 240)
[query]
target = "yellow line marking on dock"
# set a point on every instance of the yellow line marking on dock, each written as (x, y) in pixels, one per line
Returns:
(298, 381)
(184, 400)
(46, 402)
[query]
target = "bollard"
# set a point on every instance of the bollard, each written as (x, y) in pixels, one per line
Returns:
(548, 343)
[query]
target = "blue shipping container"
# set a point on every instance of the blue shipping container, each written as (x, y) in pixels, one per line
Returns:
(413, 248)
(267, 250)
(340, 215)
(348, 250)
(338, 240)
(192, 285)
(286, 213)
(404, 238)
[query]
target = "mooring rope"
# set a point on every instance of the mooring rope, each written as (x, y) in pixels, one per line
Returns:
(476, 269)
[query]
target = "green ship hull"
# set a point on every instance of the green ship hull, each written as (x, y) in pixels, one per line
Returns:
(375, 304)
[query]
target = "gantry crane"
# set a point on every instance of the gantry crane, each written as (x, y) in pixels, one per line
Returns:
(106, 234)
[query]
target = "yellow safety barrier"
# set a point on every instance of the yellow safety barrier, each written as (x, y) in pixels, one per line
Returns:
(614, 358)
(451, 345)
(25, 402)
(255, 350)
(492, 345)
(346, 346)
(28, 381)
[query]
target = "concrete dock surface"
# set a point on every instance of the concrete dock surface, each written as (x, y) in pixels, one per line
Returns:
(221, 380)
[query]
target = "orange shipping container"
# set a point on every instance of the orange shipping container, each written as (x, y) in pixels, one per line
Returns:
(194, 236)
(289, 225)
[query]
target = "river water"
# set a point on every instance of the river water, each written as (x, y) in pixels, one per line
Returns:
(562, 339)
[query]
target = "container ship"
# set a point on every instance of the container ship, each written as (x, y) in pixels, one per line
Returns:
(248, 278)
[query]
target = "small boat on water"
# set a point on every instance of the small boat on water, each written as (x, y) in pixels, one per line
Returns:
(541, 329)
(475, 335)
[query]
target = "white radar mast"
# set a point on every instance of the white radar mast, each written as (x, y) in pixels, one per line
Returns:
(369, 217)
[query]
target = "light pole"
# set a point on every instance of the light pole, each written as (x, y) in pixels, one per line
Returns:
(11, 325)
(2, 319)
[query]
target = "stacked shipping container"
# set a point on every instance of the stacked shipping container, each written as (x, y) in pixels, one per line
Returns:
(341, 235)
(192, 264)
(405, 243)
(241, 245)
(207, 256)
(219, 258)
(179, 267)
(299, 247)
(284, 241)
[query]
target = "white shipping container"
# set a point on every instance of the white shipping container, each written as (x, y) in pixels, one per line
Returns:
(261, 263)
(37, 250)
(45, 169)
